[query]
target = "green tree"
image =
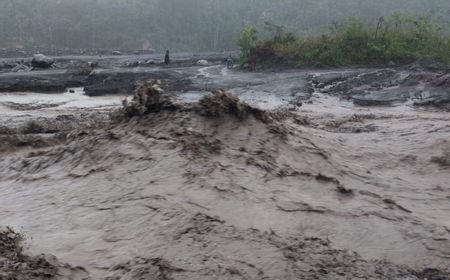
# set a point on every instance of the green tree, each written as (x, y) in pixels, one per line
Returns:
(247, 40)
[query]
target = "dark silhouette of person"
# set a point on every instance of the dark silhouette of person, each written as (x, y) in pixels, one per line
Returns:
(230, 62)
(167, 58)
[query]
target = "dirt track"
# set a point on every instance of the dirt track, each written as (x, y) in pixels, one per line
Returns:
(176, 195)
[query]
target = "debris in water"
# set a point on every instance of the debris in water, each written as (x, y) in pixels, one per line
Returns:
(147, 98)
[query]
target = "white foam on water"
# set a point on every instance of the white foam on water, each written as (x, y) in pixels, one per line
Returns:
(45, 103)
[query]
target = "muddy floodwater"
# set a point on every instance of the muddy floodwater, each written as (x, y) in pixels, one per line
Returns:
(353, 182)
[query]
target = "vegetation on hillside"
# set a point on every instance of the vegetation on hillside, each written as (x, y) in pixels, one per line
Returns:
(399, 39)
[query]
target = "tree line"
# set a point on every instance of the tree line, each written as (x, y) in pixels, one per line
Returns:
(180, 25)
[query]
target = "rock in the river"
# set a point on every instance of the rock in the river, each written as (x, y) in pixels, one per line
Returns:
(93, 64)
(203, 62)
(133, 64)
(117, 53)
(42, 61)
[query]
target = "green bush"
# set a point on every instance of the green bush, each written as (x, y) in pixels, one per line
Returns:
(246, 41)
(398, 39)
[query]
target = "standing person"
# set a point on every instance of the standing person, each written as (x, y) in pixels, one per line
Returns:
(230, 62)
(167, 58)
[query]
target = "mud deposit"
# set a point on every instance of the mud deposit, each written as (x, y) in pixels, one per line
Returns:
(218, 189)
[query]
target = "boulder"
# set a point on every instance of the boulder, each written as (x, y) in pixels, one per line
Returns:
(93, 64)
(117, 53)
(133, 64)
(203, 62)
(42, 61)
